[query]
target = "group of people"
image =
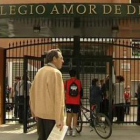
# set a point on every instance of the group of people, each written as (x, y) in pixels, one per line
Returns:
(120, 97)
(17, 95)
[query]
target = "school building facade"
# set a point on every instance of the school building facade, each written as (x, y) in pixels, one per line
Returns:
(97, 38)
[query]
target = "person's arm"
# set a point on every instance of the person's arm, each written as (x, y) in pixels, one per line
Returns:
(59, 100)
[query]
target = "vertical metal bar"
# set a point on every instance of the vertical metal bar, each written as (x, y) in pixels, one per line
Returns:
(30, 48)
(42, 60)
(119, 68)
(138, 63)
(38, 47)
(131, 75)
(134, 74)
(110, 89)
(34, 47)
(41, 48)
(76, 53)
(123, 74)
(25, 93)
(4, 85)
(19, 60)
(44, 45)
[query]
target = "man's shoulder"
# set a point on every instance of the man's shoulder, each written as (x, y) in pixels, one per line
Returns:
(49, 69)
(57, 71)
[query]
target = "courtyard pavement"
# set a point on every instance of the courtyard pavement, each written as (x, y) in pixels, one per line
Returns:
(120, 132)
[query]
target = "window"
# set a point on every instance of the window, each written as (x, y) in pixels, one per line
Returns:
(135, 49)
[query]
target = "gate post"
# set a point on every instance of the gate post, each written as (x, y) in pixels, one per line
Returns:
(2, 84)
(76, 53)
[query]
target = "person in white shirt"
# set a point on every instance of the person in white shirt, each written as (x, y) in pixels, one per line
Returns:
(21, 94)
(119, 98)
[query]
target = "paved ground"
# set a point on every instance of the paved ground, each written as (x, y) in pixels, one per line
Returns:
(120, 132)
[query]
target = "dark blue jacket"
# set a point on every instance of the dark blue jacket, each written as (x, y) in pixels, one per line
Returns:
(95, 94)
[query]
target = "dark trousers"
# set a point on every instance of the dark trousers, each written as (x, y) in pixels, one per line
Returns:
(21, 109)
(127, 107)
(120, 112)
(105, 107)
(44, 128)
(16, 106)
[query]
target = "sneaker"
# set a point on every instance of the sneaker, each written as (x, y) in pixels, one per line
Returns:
(68, 132)
(74, 132)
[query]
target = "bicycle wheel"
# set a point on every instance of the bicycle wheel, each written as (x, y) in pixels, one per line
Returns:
(79, 123)
(102, 125)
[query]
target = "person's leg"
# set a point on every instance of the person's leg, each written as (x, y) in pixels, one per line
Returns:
(48, 126)
(40, 129)
(21, 109)
(106, 106)
(125, 107)
(69, 115)
(122, 113)
(98, 107)
(117, 112)
(68, 123)
(128, 107)
(16, 107)
(68, 118)
(75, 117)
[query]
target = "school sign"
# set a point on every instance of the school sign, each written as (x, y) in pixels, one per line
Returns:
(69, 10)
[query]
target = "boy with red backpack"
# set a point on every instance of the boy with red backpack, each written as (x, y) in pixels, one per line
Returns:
(73, 95)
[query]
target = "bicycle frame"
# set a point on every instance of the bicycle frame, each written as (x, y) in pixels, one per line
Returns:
(84, 111)
(98, 121)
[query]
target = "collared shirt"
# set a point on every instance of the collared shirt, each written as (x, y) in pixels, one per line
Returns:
(119, 93)
(51, 64)
(20, 88)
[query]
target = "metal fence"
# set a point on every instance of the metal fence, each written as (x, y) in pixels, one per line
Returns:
(99, 58)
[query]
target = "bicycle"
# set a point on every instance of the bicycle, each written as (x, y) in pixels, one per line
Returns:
(99, 121)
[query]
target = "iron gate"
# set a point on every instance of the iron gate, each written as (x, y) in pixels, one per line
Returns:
(91, 57)
(31, 66)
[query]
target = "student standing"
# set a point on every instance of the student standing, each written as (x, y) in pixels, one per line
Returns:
(73, 90)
